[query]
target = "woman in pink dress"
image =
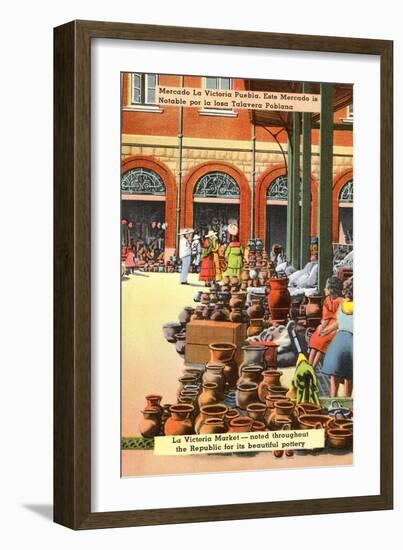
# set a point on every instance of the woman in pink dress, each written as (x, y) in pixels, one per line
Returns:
(129, 262)
(325, 332)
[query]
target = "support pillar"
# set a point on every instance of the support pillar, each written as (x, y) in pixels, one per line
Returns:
(306, 182)
(180, 171)
(289, 202)
(325, 185)
(253, 183)
(294, 192)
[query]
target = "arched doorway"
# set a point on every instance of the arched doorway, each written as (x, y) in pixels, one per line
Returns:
(276, 212)
(216, 198)
(345, 202)
(143, 206)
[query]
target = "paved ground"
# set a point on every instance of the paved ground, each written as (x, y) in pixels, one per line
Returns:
(151, 365)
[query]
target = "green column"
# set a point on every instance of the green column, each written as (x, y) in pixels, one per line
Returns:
(289, 202)
(294, 191)
(325, 184)
(306, 182)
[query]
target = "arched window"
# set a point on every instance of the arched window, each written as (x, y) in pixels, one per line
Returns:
(216, 185)
(347, 192)
(278, 189)
(141, 181)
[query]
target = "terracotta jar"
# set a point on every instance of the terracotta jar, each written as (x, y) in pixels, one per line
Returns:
(198, 313)
(313, 308)
(150, 424)
(240, 424)
(307, 408)
(230, 415)
(257, 411)
(190, 399)
(279, 299)
(253, 355)
(205, 297)
(246, 394)
(270, 355)
(237, 300)
(209, 411)
(270, 378)
(277, 391)
(281, 415)
(236, 315)
(213, 426)
(310, 421)
(187, 380)
(210, 394)
(250, 373)
(153, 402)
(225, 280)
(195, 372)
(185, 315)
(339, 438)
(245, 275)
(179, 423)
(221, 353)
(215, 373)
(255, 310)
(258, 426)
(340, 423)
(255, 327)
(219, 313)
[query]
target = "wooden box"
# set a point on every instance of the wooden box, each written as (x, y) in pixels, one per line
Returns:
(199, 334)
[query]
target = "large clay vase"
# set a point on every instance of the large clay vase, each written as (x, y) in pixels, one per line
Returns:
(179, 423)
(221, 353)
(240, 424)
(210, 394)
(150, 424)
(270, 378)
(209, 411)
(213, 426)
(279, 300)
(246, 394)
(250, 373)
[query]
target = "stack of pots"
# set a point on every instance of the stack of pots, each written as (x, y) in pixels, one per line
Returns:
(279, 300)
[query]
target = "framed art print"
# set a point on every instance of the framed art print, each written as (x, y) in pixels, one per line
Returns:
(223, 274)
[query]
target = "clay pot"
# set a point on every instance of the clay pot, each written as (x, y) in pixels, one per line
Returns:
(270, 378)
(310, 421)
(221, 352)
(339, 438)
(224, 296)
(187, 380)
(196, 373)
(281, 415)
(258, 426)
(153, 402)
(206, 312)
(255, 310)
(179, 423)
(284, 407)
(150, 424)
(245, 275)
(219, 314)
(340, 424)
(185, 315)
(170, 330)
(180, 343)
(255, 327)
(205, 297)
(279, 300)
(308, 408)
(197, 314)
(190, 399)
(230, 415)
(257, 411)
(209, 411)
(236, 315)
(277, 391)
(215, 374)
(253, 355)
(313, 308)
(246, 394)
(226, 280)
(270, 355)
(213, 426)
(234, 280)
(237, 300)
(210, 394)
(250, 373)
(240, 424)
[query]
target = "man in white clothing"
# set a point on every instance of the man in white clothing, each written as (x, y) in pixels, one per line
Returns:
(185, 253)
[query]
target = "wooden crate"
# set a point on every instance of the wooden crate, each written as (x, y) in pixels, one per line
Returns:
(199, 334)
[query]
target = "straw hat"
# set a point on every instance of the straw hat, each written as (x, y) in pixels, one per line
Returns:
(211, 233)
(186, 231)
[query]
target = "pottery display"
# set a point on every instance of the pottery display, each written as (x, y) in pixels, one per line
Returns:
(279, 300)
(170, 330)
(213, 426)
(179, 423)
(210, 394)
(240, 424)
(246, 394)
(209, 411)
(270, 378)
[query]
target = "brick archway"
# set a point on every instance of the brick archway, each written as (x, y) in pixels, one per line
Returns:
(193, 176)
(151, 163)
(338, 183)
(262, 184)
